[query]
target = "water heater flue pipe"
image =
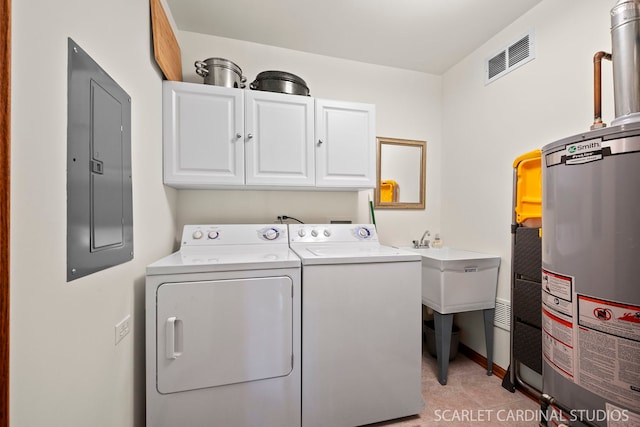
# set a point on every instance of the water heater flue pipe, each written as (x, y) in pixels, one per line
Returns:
(597, 89)
(625, 57)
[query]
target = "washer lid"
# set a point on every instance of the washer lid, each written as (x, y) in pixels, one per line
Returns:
(227, 258)
(345, 253)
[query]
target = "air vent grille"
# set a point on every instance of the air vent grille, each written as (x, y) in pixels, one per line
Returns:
(502, 317)
(519, 51)
(510, 58)
(497, 64)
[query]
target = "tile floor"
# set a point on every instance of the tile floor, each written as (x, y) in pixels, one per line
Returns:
(470, 398)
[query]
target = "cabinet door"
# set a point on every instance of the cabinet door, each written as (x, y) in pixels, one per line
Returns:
(345, 144)
(203, 135)
(279, 139)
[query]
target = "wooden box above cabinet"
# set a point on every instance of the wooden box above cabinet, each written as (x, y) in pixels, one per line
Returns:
(218, 137)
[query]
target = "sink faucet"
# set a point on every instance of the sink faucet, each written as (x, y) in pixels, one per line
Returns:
(422, 243)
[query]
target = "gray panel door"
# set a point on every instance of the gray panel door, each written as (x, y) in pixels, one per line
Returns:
(106, 170)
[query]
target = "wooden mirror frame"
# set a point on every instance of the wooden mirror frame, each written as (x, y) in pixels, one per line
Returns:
(422, 145)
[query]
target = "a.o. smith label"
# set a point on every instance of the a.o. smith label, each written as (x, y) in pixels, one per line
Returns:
(583, 152)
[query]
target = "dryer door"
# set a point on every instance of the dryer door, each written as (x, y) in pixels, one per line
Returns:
(219, 332)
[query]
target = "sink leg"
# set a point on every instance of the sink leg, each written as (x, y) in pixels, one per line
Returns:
(443, 324)
(489, 315)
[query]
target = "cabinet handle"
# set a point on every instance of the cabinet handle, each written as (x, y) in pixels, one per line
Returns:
(249, 135)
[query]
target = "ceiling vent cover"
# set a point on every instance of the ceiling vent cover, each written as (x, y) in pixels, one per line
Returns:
(510, 58)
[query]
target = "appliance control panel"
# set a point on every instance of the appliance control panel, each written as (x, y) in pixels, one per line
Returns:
(332, 233)
(234, 234)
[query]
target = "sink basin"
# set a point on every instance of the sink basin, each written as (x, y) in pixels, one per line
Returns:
(457, 280)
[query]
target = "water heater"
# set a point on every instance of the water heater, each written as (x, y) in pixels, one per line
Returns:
(591, 256)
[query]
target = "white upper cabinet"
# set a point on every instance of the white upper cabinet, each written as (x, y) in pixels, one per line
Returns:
(279, 139)
(203, 134)
(346, 147)
(218, 137)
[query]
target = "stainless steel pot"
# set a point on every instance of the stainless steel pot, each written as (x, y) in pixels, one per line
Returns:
(280, 81)
(220, 72)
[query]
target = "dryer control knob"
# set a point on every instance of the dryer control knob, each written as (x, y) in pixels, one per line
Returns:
(302, 232)
(314, 233)
(213, 235)
(271, 234)
(327, 233)
(197, 235)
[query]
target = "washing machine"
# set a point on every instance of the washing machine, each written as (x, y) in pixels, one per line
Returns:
(223, 325)
(361, 326)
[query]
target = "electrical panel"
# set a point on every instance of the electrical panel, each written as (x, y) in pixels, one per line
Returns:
(99, 196)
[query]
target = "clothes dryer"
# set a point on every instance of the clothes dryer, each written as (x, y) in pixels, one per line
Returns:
(362, 333)
(223, 330)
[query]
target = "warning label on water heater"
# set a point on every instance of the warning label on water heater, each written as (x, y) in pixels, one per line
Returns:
(622, 320)
(590, 341)
(557, 285)
(608, 349)
(557, 342)
(557, 322)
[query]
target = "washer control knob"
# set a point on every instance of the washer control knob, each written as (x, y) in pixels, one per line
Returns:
(302, 232)
(314, 233)
(197, 235)
(327, 232)
(364, 233)
(271, 234)
(213, 234)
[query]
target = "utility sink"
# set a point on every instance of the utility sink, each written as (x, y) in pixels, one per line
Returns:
(453, 281)
(457, 280)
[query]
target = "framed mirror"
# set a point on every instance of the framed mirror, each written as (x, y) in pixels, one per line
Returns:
(401, 168)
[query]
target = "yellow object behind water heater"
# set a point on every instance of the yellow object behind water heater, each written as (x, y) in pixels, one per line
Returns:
(528, 197)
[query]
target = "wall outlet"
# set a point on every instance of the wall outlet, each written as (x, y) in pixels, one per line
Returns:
(123, 328)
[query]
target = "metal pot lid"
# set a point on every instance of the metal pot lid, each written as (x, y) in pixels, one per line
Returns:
(280, 75)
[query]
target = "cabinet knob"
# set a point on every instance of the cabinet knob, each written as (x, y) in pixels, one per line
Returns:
(238, 135)
(249, 136)
(319, 141)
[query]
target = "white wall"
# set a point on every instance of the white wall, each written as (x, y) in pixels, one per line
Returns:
(63, 358)
(65, 368)
(407, 106)
(485, 128)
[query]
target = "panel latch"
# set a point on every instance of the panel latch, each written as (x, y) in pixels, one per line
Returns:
(97, 166)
